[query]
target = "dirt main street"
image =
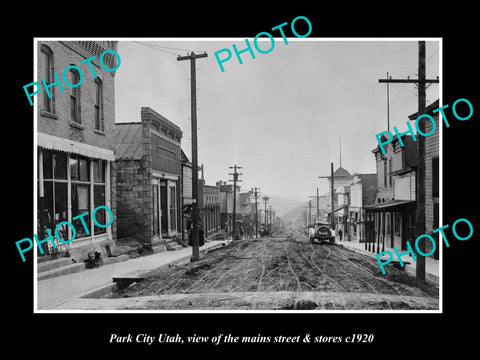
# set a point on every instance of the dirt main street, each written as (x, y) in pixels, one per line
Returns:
(286, 264)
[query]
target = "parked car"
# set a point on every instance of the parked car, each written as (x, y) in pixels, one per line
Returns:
(323, 233)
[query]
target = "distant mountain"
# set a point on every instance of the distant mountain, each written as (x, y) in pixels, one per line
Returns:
(295, 213)
(280, 204)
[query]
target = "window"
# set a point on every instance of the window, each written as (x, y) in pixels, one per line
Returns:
(156, 219)
(74, 78)
(396, 223)
(385, 173)
(435, 178)
(173, 209)
(77, 183)
(98, 106)
(46, 63)
(80, 178)
(390, 171)
(54, 190)
(99, 194)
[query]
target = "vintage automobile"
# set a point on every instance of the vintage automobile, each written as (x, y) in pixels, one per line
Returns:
(323, 233)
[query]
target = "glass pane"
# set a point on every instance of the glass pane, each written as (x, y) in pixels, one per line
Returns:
(61, 208)
(97, 118)
(80, 204)
(47, 164)
(73, 106)
(73, 168)
(46, 62)
(100, 215)
(60, 202)
(155, 209)
(48, 211)
(60, 165)
(99, 171)
(173, 218)
(83, 169)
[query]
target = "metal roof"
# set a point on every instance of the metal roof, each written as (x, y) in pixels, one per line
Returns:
(128, 141)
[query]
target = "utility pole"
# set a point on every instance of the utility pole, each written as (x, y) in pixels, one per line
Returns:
(235, 180)
(420, 174)
(193, 89)
(388, 103)
(256, 210)
(265, 199)
(420, 178)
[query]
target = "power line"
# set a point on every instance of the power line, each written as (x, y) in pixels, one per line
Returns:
(155, 48)
(161, 47)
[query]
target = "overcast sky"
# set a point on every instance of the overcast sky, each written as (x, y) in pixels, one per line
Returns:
(281, 115)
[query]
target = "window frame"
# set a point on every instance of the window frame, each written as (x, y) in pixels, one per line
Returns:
(98, 106)
(48, 103)
(75, 98)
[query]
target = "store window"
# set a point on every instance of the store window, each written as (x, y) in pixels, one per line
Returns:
(54, 190)
(87, 179)
(80, 178)
(173, 208)
(99, 167)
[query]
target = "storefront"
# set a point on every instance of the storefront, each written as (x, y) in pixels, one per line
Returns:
(73, 178)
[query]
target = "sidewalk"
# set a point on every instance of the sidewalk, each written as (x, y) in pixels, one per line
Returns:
(58, 290)
(432, 266)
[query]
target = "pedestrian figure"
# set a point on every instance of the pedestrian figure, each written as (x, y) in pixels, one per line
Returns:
(311, 233)
(201, 239)
(340, 234)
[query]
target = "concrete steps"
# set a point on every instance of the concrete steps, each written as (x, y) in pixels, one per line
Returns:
(58, 267)
(172, 245)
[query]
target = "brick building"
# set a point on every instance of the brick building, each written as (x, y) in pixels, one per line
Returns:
(75, 144)
(148, 164)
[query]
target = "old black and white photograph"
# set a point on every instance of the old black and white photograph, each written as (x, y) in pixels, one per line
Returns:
(265, 174)
(218, 180)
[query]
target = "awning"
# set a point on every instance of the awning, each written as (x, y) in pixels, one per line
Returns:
(391, 205)
(74, 147)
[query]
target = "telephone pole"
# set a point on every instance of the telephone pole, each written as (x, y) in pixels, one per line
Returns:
(193, 89)
(265, 199)
(332, 195)
(255, 191)
(235, 180)
(420, 175)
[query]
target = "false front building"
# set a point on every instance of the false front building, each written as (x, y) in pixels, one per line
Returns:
(148, 161)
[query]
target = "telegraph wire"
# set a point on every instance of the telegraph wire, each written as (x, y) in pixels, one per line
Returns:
(155, 48)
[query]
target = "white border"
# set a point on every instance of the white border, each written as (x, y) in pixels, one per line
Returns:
(306, 312)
